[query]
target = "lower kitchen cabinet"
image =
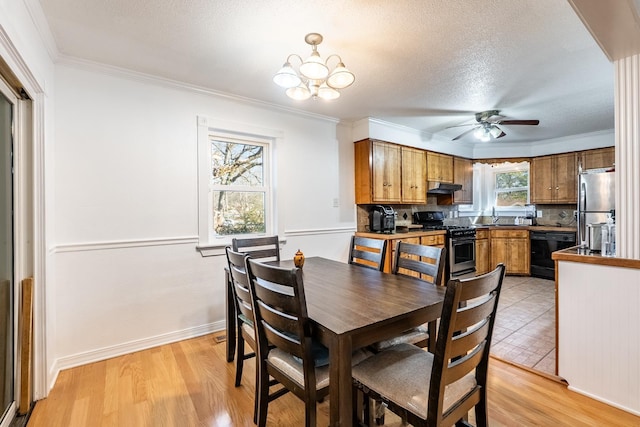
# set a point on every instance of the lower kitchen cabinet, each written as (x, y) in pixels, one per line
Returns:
(483, 263)
(512, 248)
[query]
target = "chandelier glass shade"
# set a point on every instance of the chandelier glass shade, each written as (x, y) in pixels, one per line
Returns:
(314, 78)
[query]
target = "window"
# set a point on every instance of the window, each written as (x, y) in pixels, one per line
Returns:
(502, 187)
(238, 187)
(235, 187)
(511, 188)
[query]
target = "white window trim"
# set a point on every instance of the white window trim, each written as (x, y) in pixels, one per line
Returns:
(208, 128)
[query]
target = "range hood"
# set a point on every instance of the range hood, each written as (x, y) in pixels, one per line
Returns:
(443, 188)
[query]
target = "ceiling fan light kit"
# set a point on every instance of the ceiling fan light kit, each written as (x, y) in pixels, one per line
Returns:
(314, 79)
(485, 129)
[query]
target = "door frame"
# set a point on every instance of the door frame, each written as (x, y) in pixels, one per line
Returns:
(29, 216)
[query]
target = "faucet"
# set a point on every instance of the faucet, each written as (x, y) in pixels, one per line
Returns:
(494, 217)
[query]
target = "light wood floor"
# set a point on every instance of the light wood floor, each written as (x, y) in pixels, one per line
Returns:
(189, 383)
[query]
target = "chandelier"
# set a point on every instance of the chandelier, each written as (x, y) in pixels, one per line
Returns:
(313, 79)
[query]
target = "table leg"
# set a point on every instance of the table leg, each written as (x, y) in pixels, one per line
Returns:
(340, 382)
(231, 318)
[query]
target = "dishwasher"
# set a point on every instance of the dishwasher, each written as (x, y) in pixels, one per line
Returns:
(543, 243)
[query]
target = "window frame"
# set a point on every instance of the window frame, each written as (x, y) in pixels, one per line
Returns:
(208, 130)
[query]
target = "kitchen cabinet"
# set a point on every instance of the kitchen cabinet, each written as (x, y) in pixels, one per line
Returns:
(377, 172)
(598, 158)
(483, 252)
(463, 174)
(414, 176)
(512, 248)
(554, 179)
(389, 173)
(439, 167)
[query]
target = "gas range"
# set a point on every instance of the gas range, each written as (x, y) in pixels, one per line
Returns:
(461, 242)
(434, 220)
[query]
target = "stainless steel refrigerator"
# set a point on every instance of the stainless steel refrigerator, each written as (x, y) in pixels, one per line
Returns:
(596, 199)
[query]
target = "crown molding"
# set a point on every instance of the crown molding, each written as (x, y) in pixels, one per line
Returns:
(34, 8)
(111, 70)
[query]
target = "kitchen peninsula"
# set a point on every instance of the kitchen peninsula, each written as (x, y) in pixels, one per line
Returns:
(597, 320)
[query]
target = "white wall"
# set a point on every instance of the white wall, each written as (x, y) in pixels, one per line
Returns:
(127, 274)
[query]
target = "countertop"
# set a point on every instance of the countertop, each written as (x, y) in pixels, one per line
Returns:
(585, 256)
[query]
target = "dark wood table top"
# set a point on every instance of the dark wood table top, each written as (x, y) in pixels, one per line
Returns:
(344, 298)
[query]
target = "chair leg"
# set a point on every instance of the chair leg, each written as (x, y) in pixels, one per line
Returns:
(239, 357)
(263, 395)
(481, 410)
(256, 394)
(310, 416)
(379, 408)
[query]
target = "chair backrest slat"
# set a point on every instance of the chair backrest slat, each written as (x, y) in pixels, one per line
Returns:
(367, 252)
(261, 248)
(470, 315)
(427, 261)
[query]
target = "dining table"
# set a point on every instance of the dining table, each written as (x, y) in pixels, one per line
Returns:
(351, 307)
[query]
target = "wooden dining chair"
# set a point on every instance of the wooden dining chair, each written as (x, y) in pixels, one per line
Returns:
(245, 331)
(367, 252)
(427, 263)
(295, 361)
(439, 389)
(260, 248)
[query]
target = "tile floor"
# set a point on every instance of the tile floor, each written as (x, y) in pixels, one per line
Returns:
(524, 331)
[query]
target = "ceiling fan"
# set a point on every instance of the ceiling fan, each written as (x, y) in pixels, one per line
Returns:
(487, 125)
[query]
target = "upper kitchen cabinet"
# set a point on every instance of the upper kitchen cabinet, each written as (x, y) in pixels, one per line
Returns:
(463, 174)
(598, 158)
(554, 179)
(414, 176)
(377, 172)
(439, 167)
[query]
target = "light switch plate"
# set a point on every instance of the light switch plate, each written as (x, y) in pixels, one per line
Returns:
(539, 214)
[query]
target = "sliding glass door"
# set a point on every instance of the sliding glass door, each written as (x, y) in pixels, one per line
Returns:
(7, 338)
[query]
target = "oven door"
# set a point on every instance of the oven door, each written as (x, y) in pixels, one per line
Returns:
(462, 257)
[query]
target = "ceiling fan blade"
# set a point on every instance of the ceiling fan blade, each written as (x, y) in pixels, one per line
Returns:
(466, 124)
(465, 132)
(518, 122)
(501, 135)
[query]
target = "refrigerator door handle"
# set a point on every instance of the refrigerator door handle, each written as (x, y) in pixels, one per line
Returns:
(583, 197)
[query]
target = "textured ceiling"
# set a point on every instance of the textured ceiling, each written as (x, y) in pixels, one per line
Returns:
(424, 64)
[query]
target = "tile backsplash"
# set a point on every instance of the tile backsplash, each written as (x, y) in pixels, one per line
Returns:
(552, 215)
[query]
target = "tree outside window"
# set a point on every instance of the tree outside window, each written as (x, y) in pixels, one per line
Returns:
(512, 188)
(238, 189)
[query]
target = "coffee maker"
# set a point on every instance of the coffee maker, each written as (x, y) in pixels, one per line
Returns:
(382, 219)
